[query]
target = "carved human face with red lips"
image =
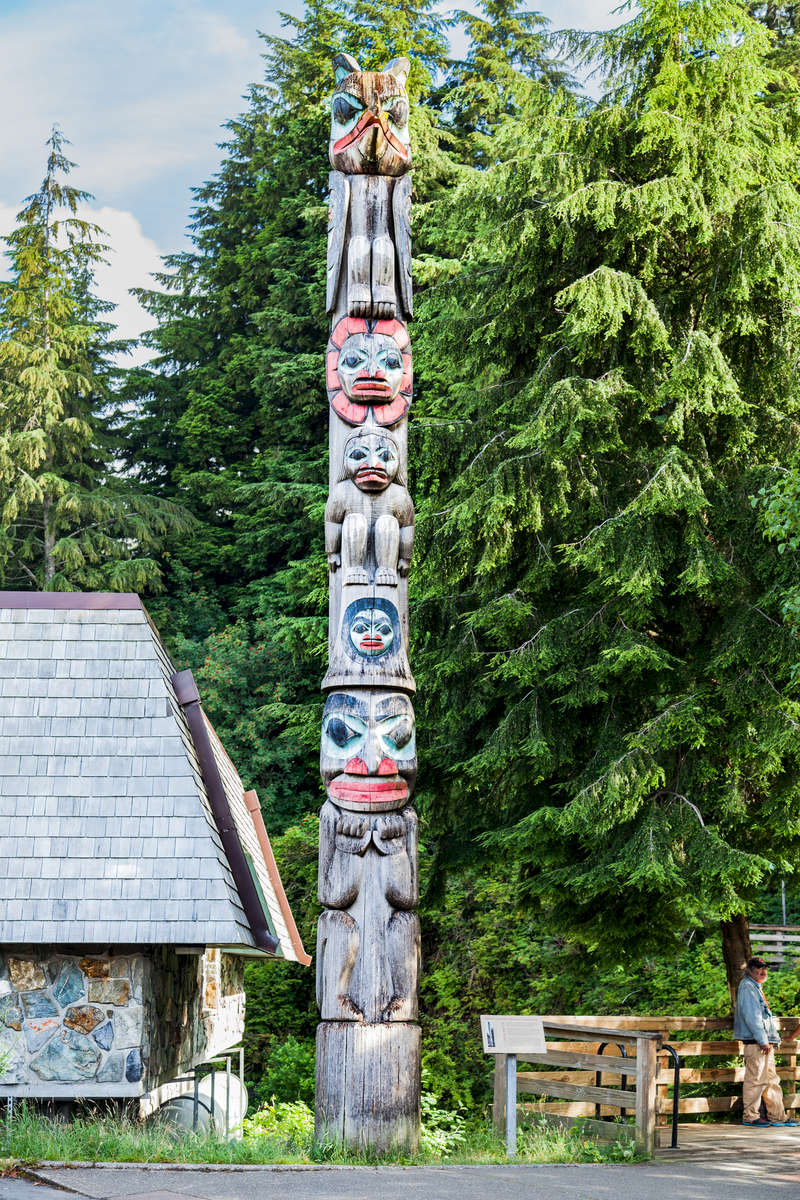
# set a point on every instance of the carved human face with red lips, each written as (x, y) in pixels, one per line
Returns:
(368, 758)
(372, 461)
(368, 366)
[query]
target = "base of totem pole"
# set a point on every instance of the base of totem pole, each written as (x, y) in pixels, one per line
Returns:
(368, 1085)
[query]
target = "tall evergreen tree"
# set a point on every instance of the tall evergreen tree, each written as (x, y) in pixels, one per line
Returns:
(64, 523)
(231, 416)
(606, 668)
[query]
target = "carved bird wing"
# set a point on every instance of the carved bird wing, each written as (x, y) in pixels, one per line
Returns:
(401, 210)
(337, 228)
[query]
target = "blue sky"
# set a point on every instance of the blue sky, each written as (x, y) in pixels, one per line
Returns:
(141, 89)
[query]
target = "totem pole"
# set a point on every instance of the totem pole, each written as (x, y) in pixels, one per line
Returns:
(368, 942)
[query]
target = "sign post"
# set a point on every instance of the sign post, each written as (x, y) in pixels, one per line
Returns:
(511, 1036)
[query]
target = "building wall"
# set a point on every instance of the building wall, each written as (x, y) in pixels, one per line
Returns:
(112, 1025)
(193, 1008)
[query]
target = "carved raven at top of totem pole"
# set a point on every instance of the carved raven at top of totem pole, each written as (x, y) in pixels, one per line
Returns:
(370, 204)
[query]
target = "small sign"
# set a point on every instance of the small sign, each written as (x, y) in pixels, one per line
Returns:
(513, 1035)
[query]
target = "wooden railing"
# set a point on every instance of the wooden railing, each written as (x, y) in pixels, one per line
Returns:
(776, 943)
(573, 1043)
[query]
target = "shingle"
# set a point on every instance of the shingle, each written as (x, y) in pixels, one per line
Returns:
(105, 830)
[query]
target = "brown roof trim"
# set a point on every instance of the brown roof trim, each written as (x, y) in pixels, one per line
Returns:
(254, 808)
(85, 601)
(189, 700)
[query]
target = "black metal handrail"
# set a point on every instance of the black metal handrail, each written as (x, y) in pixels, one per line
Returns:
(676, 1089)
(599, 1074)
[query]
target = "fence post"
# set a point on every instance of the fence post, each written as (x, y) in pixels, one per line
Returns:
(499, 1101)
(646, 1071)
(511, 1105)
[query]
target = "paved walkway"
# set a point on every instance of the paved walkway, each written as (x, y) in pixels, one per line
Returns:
(714, 1143)
(713, 1162)
(776, 1173)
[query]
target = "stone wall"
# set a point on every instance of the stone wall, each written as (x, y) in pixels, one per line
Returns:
(112, 1025)
(194, 1009)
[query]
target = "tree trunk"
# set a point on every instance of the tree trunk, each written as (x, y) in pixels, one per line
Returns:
(49, 547)
(735, 951)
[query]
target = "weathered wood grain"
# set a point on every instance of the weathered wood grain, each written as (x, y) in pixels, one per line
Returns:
(604, 1131)
(368, 942)
(614, 1022)
(726, 1048)
(369, 247)
(606, 1063)
(368, 956)
(718, 1074)
(622, 1035)
(367, 1085)
(646, 1054)
(536, 1085)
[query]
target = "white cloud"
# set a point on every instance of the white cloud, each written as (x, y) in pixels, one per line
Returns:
(132, 258)
(584, 14)
(140, 89)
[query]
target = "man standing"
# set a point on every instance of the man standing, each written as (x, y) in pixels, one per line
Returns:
(755, 1025)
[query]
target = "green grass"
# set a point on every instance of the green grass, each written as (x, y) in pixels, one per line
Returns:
(94, 1137)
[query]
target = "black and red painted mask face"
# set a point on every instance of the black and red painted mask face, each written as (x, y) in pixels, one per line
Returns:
(369, 367)
(368, 759)
(372, 461)
(369, 119)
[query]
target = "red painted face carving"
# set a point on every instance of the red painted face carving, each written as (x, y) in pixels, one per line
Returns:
(369, 367)
(368, 758)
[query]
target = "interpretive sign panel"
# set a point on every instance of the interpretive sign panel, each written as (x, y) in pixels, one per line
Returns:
(512, 1035)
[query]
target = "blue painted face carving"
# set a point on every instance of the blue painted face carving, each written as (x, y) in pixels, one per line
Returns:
(371, 632)
(372, 628)
(368, 756)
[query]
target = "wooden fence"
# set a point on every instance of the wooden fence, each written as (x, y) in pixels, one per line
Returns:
(574, 1042)
(776, 943)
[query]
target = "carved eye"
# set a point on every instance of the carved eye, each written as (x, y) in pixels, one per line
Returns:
(392, 360)
(398, 112)
(352, 359)
(361, 626)
(384, 629)
(358, 453)
(344, 111)
(340, 732)
(400, 734)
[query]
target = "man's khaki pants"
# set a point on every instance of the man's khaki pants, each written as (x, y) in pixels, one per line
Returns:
(761, 1079)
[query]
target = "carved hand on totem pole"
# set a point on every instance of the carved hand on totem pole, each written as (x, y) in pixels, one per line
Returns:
(368, 757)
(368, 516)
(370, 202)
(368, 942)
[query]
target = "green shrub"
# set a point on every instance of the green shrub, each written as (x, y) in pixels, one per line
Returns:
(291, 1122)
(442, 1131)
(289, 1073)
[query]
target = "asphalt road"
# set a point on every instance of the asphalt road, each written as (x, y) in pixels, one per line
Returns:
(777, 1175)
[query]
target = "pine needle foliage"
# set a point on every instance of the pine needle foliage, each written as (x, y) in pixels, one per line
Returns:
(231, 416)
(65, 524)
(607, 681)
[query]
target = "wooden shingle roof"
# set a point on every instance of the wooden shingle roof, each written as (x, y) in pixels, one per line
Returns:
(122, 819)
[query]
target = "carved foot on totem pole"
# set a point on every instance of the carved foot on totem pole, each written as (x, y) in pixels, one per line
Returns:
(368, 1085)
(354, 576)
